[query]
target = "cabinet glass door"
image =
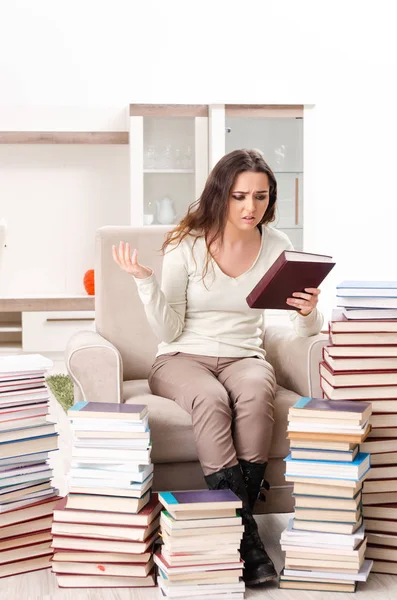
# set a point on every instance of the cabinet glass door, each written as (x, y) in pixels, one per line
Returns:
(278, 133)
(168, 159)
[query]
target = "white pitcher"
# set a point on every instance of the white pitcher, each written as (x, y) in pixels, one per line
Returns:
(165, 211)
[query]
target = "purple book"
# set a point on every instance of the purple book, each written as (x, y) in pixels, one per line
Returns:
(108, 410)
(351, 406)
(225, 497)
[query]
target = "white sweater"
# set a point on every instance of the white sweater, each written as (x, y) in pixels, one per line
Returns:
(213, 319)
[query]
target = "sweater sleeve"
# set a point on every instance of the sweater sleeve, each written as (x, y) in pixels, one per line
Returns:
(165, 306)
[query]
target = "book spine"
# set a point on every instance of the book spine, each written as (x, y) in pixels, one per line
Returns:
(275, 268)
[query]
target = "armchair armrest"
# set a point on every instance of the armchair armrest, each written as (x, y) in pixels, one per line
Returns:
(295, 359)
(95, 366)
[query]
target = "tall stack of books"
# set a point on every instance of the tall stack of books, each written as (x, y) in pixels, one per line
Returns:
(361, 364)
(201, 534)
(325, 541)
(27, 498)
(105, 529)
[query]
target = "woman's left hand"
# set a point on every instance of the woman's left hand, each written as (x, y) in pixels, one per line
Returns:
(305, 301)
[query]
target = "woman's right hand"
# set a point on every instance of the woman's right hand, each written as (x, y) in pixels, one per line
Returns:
(129, 262)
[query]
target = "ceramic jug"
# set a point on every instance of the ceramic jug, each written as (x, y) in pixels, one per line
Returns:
(165, 211)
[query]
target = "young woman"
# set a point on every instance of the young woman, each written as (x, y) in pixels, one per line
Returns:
(211, 359)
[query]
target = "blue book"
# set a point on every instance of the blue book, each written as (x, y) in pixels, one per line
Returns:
(368, 284)
(327, 469)
(377, 289)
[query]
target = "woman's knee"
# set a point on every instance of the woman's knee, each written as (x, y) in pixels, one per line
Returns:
(258, 398)
(214, 401)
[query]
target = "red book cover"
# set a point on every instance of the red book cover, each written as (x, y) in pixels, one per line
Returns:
(380, 378)
(291, 272)
(145, 516)
(340, 323)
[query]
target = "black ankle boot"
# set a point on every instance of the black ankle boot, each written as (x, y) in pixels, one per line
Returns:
(258, 567)
(253, 474)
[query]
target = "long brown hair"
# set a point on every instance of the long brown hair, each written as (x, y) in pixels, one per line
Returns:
(207, 216)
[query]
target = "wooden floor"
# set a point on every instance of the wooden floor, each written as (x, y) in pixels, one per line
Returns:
(42, 585)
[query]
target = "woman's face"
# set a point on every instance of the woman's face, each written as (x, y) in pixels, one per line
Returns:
(248, 200)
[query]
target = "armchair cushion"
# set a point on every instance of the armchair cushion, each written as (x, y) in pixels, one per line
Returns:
(295, 359)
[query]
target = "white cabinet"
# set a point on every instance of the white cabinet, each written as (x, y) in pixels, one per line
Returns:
(168, 161)
(50, 331)
(43, 324)
(174, 147)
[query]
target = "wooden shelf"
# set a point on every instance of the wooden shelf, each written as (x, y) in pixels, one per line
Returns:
(10, 328)
(171, 171)
(53, 303)
(64, 137)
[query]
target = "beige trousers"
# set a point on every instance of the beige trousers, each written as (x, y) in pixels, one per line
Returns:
(230, 401)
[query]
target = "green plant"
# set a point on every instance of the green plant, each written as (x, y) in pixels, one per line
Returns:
(62, 388)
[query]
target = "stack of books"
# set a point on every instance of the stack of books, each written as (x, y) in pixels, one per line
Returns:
(201, 533)
(325, 541)
(27, 497)
(361, 364)
(105, 528)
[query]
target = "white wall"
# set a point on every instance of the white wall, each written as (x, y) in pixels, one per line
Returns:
(338, 55)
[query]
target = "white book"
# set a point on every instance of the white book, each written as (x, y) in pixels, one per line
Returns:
(11, 471)
(325, 427)
(91, 424)
(109, 466)
(9, 506)
(325, 538)
(106, 483)
(143, 456)
(103, 443)
(364, 314)
(108, 474)
(24, 459)
(15, 363)
(362, 575)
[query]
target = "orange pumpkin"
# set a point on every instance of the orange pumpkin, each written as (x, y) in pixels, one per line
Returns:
(89, 282)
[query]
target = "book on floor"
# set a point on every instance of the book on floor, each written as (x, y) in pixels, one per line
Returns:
(106, 503)
(131, 533)
(326, 488)
(362, 575)
(199, 500)
(352, 412)
(143, 518)
(26, 565)
(315, 584)
(329, 469)
(24, 363)
(108, 410)
(339, 323)
(357, 378)
(370, 351)
(327, 502)
(104, 581)
(340, 364)
(291, 272)
(363, 314)
(314, 454)
(94, 568)
(359, 393)
(327, 526)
